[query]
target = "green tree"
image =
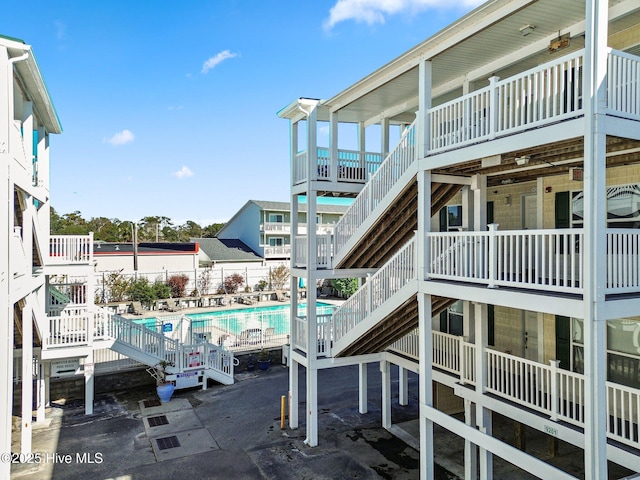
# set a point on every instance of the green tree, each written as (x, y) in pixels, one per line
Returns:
(116, 287)
(161, 289)
(345, 286)
(142, 291)
(212, 230)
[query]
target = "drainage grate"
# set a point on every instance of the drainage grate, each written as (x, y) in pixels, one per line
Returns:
(167, 442)
(157, 421)
(152, 402)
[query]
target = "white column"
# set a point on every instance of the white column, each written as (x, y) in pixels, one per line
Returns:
(467, 208)
(425, 385)
(362, 388)
(403, 386)
(362, 144)
(483, 415)
(88, 384)
(27, 377)
(424, 104)
(386, 394)
(312, 405)
(479, 188)
(40, 392)
(6, 230)
(595, 371)
(384, 141)
(333, 146)
(470, 449)
(293, 393)
(293, 148)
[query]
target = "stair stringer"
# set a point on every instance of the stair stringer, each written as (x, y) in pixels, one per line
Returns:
(362, 231)
(360, 331)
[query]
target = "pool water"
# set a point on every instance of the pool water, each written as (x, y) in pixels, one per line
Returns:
(236, 321)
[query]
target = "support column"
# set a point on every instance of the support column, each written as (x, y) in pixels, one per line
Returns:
(88, 384)
(595, 329)
(40, 392)
(362, 388)
(293, 393)
(386, 394)
(467, 208)
(312, 406)
(27, 377)
(483, 415)
(424, 104)
(384, 141)
(333, 146)
(470, 448)
(425, 347)
(403, 386)
(479, 188)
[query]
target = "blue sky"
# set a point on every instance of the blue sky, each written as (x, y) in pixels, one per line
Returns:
(169, 108)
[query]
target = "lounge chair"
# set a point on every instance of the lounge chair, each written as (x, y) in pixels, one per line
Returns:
(280, 296)
(136, 308)
(268, 333)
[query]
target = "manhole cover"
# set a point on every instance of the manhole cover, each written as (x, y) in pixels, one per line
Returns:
(157, 421)
(152, 402)
(167, 442)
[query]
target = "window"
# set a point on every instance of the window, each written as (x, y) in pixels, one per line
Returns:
(276, 218)
(451, 218)
(276, 241)
(451, 319)
(623, 350)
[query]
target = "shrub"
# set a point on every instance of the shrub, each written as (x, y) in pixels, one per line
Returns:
(262, 285)
(204, 281)
(161, 289)
(142, 292)
(178, 285)
(232, 283)
(345, 286)
(116, 286)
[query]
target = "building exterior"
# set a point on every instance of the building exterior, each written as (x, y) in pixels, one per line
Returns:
(37, 268)
(497, 239)
(47, 287)
(148, 257)
(265, 226)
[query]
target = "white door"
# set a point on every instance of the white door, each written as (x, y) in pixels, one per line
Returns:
(529, 212)
(530, 335)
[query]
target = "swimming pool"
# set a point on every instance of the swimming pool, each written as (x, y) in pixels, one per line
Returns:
(238, 326)
(234, 322)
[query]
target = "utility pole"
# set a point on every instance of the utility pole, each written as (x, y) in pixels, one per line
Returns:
(134, 236)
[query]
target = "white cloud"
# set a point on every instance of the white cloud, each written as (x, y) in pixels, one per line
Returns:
(171, 107)
(375, 11)
(217, 59)
(121, 138)
(61, 29)
(183, 172)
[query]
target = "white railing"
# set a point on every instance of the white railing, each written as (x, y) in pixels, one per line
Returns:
(535, 259)
(407, 345)
(549, 92)
(69, 330)
(382, 181)
(299, 168)
(623, 260)
(20, 263)
(70, 249)
(399, 271)
(353, 165)
(18, 149)
(520, 380)
(623, 405)
(279, 227)
(623, 84)
(324, 249)
(299, 334)
(282, 251)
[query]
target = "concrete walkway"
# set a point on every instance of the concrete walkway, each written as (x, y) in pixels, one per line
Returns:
(225, 432)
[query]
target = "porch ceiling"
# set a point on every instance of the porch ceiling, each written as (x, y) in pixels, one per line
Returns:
(546, 160)
(484, 43)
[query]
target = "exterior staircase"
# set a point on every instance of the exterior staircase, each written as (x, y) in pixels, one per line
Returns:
(75, 334)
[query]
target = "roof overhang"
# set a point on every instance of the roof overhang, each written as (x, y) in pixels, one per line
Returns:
(32, 81)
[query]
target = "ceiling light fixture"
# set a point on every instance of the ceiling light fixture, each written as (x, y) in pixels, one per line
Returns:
(526, 29)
